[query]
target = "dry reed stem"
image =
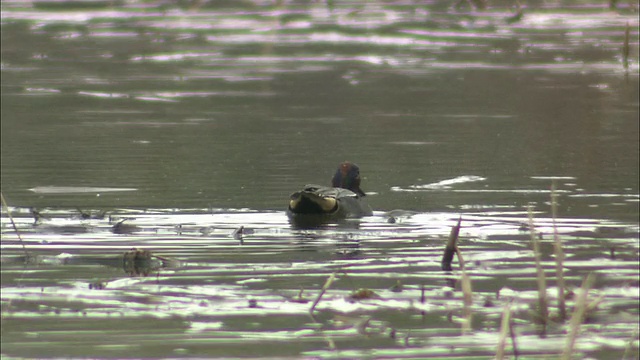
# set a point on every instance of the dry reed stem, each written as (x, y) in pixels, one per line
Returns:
(625, 48)
(504, 330)
(460, 258)
(326, 285)
(577, 317)
(467, 297)
(558, 252)
(542, 282)
(15, 228)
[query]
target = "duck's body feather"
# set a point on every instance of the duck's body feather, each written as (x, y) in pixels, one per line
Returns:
(316, 204)
(328, 201)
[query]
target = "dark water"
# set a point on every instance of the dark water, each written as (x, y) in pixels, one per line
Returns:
(192, 119)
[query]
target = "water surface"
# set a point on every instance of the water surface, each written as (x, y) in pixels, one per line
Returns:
(192, 119)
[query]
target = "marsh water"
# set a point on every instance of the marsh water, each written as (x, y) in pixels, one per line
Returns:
(190, 123)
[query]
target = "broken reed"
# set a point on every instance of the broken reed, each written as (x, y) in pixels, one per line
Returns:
(558, 252)
(15, 228)
(542, 282)
(451, 248)
(465, 282)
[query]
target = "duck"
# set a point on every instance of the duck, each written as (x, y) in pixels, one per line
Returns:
(343, 199)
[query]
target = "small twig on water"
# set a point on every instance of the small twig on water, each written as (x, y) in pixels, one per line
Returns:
(542, 282)
(451, 247)
(15, 228)
(326, 285)
(577, 317)
(559, 253)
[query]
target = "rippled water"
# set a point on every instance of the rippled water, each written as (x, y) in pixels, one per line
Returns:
(194, 121)
(225, 294)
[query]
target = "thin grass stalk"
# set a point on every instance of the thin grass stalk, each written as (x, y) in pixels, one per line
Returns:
(625, 48)
(577, 317)
(15, 228)
(542, 282)
(558, 252)
(513, 339)
(504, 330)
(326, 285)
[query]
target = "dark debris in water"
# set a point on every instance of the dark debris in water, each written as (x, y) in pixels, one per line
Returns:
(121, 228)
(363, 294)
(142, 262)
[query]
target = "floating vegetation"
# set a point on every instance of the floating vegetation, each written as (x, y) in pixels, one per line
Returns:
(98, 285)
(92, 216)
(363, 294)
(142, 262)
(397, 287)
(138, 262)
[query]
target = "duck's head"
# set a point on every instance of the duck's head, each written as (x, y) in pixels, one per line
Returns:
(348, 177)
